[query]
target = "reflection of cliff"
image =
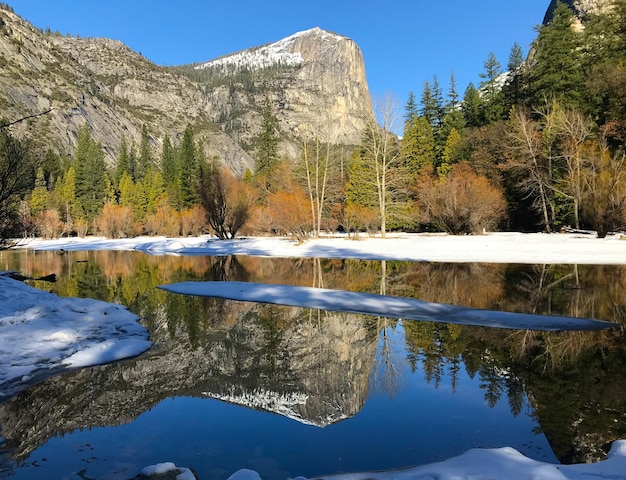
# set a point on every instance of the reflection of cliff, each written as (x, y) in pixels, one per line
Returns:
(318, 368)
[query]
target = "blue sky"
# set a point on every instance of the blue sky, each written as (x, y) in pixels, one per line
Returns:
(404, 42)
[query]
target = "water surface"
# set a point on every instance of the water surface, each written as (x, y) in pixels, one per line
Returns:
(290, 391)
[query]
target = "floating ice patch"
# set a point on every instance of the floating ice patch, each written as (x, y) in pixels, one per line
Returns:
(381, 305)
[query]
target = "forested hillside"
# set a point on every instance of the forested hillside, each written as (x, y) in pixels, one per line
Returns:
(540, 147)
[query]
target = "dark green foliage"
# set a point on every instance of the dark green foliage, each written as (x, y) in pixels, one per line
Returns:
(267, 144)
(431, 107)
(472, 106)
(492, 107)
(418, 146)
(188, 170)
(123, 164)
(410, 109)
(513, 89)
(144, 160)
(91, 174)
(557, 72)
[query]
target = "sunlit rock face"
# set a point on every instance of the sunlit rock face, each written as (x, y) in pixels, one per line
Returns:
(320, 90)
(313, 369)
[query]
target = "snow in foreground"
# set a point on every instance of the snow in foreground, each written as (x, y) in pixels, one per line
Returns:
(485, 464)
(533, 248)
(42, 334)
(383, 305)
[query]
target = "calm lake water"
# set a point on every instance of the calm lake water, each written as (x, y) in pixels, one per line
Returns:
(290, 391)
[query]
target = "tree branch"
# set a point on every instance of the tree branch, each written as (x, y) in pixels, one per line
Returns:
(5, 125)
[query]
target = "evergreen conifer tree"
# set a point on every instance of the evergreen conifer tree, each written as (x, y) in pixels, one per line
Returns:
(267, 147)
(40, 195)
(410, 108)
(418, 146)
(472, 107)
(557, 72)
(91, 173)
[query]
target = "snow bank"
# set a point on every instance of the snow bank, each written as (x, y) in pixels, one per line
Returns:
(530, 248)
(42, 333)
(485, 464)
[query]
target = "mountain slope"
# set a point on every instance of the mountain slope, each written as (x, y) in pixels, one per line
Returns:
(315, 80)
(117, 91)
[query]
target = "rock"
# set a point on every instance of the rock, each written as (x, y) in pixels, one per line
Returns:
(117, 91)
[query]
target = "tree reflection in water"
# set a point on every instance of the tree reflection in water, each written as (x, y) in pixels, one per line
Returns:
(575, 381)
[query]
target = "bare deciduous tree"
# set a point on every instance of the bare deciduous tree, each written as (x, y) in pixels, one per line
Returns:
(461, 202)
(227, 201)
(17, 174)
(528, 160)
(382, 148)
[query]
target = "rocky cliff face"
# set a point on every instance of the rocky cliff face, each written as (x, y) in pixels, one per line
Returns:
(315, 80)
(116, 91)
(581, 9)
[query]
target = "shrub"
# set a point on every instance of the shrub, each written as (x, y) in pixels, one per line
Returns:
(116, 221)
(193, 221)
(461, 202)
(165, 221)
(49, 223)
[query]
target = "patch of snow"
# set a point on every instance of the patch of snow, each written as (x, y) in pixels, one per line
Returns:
(277, 53)
(285, 404)
(166, 467)
(487, 464)
(502, 247)
(42, 333)
(381, 305)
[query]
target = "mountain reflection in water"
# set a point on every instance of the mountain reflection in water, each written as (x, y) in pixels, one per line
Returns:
(319, 367)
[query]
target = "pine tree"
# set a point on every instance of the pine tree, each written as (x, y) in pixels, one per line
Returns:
(513, 88)
(144, 160)
(472, 107)
(492, 105)
(418, 146)
(360, 190)
(439, 103)
(430, 107)
(267, 148)
(410, 109)
(91, 173)
(40, 195)
(154, 187)
(516, 58)
(453, 95)
(122, 164)
(188, 169)
(557, 72)
(449, 152)
(168, 162)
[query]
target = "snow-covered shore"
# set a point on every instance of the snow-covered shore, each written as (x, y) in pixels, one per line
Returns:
(479, 463)
(533, 248)
(41, 333)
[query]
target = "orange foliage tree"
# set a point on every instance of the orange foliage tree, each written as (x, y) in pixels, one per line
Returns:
(289, 212)
(461, 202)
(193, 220)
(164, 221)
(48, 223)
(117, 221)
